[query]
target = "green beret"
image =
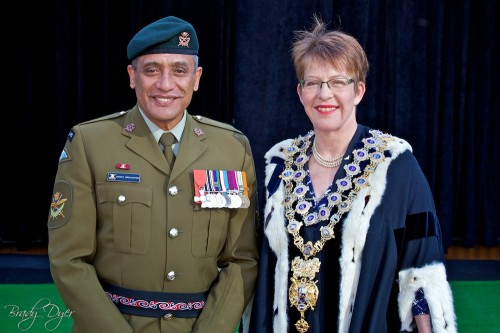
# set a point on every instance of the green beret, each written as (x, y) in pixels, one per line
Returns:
(167, 35)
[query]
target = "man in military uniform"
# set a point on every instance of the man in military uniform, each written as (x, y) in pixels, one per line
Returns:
(138, 245)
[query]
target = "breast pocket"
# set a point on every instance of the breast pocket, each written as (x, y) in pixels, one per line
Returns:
(124, 217)
(209, 232)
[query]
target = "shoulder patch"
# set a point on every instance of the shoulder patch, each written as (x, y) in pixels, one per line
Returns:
(220, 124)
(64, 156)
(109, 116)
(71, 135)
(60, 205)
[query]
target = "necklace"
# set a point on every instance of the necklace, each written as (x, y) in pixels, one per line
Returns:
(303, 292)
(333, 163)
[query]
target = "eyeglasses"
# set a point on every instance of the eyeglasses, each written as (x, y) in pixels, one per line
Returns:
(335, 84)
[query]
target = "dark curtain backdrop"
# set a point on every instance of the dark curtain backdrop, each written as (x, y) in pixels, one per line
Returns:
(433, 81)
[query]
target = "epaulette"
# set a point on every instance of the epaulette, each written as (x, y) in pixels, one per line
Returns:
(109, 116)
(211, 122)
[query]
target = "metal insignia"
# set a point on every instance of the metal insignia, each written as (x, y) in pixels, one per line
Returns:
(198, 131)
(184, 39)
(130, 127)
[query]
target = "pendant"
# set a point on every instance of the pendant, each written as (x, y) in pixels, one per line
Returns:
(303, 294)
(301, 325)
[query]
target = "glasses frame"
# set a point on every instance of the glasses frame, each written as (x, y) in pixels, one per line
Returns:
(349, 80)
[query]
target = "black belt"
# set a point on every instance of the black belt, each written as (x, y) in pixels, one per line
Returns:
(155, 304)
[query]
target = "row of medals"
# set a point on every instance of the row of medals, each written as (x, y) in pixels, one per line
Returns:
(303, 292)
(223, 200)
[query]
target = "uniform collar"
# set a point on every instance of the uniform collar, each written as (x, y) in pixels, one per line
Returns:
(157, 132)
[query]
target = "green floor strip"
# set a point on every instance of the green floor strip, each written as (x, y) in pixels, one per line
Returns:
(477, 305)
(38, 308)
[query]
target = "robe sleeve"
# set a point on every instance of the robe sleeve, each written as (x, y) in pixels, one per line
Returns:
(422, 261)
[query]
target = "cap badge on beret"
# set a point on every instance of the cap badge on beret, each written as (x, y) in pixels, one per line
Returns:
(184, 39)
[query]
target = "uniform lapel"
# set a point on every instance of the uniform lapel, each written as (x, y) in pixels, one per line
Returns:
(191, 148)
(142, 141)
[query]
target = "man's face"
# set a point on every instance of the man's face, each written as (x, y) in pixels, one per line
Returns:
(164, 85)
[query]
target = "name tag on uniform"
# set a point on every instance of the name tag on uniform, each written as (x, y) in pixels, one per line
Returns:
(124, 177)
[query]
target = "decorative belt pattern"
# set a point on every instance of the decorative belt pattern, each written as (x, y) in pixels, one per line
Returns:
(155, 304)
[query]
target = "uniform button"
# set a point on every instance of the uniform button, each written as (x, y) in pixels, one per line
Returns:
(173, 232)
(121, 198)
(171, 275)
(173, 190)
(168, 316)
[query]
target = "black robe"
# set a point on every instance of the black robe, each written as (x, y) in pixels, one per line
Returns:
(386, 248)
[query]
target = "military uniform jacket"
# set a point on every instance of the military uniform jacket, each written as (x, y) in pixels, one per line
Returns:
(114, 212)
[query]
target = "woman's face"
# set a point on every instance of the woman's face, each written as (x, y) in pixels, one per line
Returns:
(330, 106)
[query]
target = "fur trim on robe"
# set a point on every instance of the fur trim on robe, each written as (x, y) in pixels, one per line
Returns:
(439, 297)
(354, 233)
(277, 234)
